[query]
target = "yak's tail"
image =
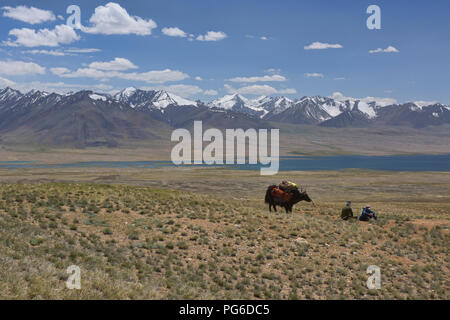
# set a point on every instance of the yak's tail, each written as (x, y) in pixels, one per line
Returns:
(267, 199)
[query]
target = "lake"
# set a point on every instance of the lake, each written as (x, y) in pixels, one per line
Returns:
(289, 163)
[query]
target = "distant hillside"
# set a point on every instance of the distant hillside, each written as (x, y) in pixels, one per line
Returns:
(86, 118)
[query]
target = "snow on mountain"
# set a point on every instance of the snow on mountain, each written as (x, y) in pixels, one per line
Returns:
(125, 93)
(277, 105)
(229, 102)
(164, 99)
(367, 106)
(9, 94)
(151, 99)
(259, 102)
(260, 106)
(96, 96)
(238, 103)
(337, 111)
(330, 106)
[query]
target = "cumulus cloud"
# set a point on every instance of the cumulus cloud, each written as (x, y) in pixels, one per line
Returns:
(61, 34)
(59, 71)
(198, 78)
(118, 64)
(113, 19)
(274, 78)
(389, 49)
(211, 92)
(262, 90)
(29, 15)
(154, 76)
(174, 32)
(314, 75)
(212, 36)
(6, 82)
(322, 46)
(157, 76)
(20, 68)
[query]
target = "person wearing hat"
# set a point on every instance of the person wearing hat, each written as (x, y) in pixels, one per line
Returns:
(347, 212)
(367, 214)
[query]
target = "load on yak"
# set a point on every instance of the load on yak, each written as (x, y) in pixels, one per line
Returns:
(285, 195)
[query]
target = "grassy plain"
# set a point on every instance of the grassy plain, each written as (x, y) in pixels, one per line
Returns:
(294, 140)
(194, 233)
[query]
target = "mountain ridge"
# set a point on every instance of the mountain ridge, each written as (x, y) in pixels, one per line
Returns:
(86, 118)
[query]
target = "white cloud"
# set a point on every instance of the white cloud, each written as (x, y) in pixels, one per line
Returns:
(338, 96)
(212, 36)
(158, 76)
(59, 71)
(182, 90)
(58, 87)
(46, 52)
(174, 32)
(6, 82)
(20, 68)
(389, 49)
(103, 87)
(273, 71)
(314, 75)
(339, 78)
(86, 50)
(62, 34)
(210, 92)
(287, 91)
(262, 90)
(264, 38)
(322, 46)
(29, 15)
(422, 103)
(113, 19)
(198, 78)
(118, 64)
(154, 76)
(275, 78)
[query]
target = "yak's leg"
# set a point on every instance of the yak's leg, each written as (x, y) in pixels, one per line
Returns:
(286, 207)
(270, 207)
(275, 207)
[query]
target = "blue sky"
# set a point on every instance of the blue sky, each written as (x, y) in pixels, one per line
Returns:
(253, 47)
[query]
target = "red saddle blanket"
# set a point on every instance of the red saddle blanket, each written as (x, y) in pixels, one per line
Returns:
(280, 194)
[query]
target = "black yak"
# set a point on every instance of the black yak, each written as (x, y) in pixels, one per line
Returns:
(276, 197)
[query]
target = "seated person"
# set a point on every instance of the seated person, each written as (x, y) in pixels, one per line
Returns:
(367, 214)
(347, 212)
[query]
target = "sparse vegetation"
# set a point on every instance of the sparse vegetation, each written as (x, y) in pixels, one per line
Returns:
(140, 242)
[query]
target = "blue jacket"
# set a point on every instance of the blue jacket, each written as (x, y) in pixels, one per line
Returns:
(365, 215)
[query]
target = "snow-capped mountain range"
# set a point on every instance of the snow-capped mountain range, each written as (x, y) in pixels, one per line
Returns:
(317, 110)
